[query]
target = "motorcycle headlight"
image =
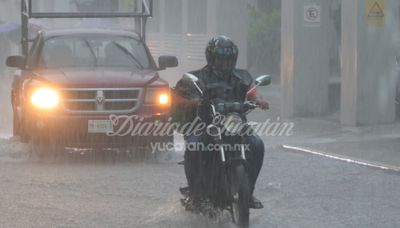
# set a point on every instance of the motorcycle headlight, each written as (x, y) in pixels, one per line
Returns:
(233, 123)
(45, 98)
(159, 96)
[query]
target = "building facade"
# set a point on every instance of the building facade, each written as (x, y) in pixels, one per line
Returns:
(183, 28)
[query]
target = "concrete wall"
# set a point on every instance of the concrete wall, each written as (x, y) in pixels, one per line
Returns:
(369, 72)
(10, 11)
(304, 59)
(225, 17)
(369, 67)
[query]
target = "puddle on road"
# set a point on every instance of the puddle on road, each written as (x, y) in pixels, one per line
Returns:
(12, 150)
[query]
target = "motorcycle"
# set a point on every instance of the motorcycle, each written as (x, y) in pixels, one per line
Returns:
(224, 176)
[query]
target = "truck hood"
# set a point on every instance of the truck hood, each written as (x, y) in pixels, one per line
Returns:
(99, 77)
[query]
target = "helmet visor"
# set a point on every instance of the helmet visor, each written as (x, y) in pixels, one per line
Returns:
(225, 58)
(225, 52)
(224, 64)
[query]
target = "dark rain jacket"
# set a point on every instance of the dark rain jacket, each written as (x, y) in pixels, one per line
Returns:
(232, 87)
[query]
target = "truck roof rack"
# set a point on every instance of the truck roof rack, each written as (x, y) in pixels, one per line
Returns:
(138, 9)
(87, 9)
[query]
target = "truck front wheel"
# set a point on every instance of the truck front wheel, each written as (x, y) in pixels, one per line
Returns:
(16, 125)
(19, 129)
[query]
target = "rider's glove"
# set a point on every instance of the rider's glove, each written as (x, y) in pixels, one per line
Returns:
(264, 105)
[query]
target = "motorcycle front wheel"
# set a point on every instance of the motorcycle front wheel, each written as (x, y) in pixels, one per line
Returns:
(241, 197)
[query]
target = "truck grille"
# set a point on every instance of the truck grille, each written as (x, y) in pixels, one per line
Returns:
(101, 101)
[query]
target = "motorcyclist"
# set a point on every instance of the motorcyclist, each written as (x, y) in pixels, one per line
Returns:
(221, 54)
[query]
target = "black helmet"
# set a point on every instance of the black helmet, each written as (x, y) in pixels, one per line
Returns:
(222, 53)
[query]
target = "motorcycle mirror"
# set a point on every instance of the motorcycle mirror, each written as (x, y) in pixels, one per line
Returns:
(188, 77)
(263, 80)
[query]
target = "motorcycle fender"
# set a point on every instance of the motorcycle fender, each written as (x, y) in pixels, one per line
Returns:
(236, 171)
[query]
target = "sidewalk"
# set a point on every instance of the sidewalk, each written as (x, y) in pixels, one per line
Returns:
(377, 144)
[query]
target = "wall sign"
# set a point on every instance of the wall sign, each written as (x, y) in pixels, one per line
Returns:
(375, 13)
(312, 15)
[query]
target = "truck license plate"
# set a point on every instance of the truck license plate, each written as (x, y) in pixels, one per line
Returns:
(100, 126)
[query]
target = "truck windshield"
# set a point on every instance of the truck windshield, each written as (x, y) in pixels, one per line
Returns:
(93, 51)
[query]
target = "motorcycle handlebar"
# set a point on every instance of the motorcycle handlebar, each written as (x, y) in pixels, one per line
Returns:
(235, 107)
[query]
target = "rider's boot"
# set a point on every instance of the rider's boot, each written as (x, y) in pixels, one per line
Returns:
(184, 191)
(190, 202)
(255, 203)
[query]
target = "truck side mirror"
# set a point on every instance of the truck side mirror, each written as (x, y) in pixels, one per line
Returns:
(167, 61)
(16, 61)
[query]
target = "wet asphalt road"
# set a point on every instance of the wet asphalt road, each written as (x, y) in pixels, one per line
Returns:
(298, 190)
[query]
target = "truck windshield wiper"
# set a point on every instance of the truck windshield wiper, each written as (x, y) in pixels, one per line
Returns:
(91, 51)
(128, 53)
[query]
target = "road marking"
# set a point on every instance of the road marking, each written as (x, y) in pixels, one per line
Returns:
(344, 158)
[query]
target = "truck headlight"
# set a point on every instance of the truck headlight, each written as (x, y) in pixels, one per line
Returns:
(45, 98)
(163, 99)
(159, 96)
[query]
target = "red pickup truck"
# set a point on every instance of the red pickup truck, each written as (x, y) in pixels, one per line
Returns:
(73, 80)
